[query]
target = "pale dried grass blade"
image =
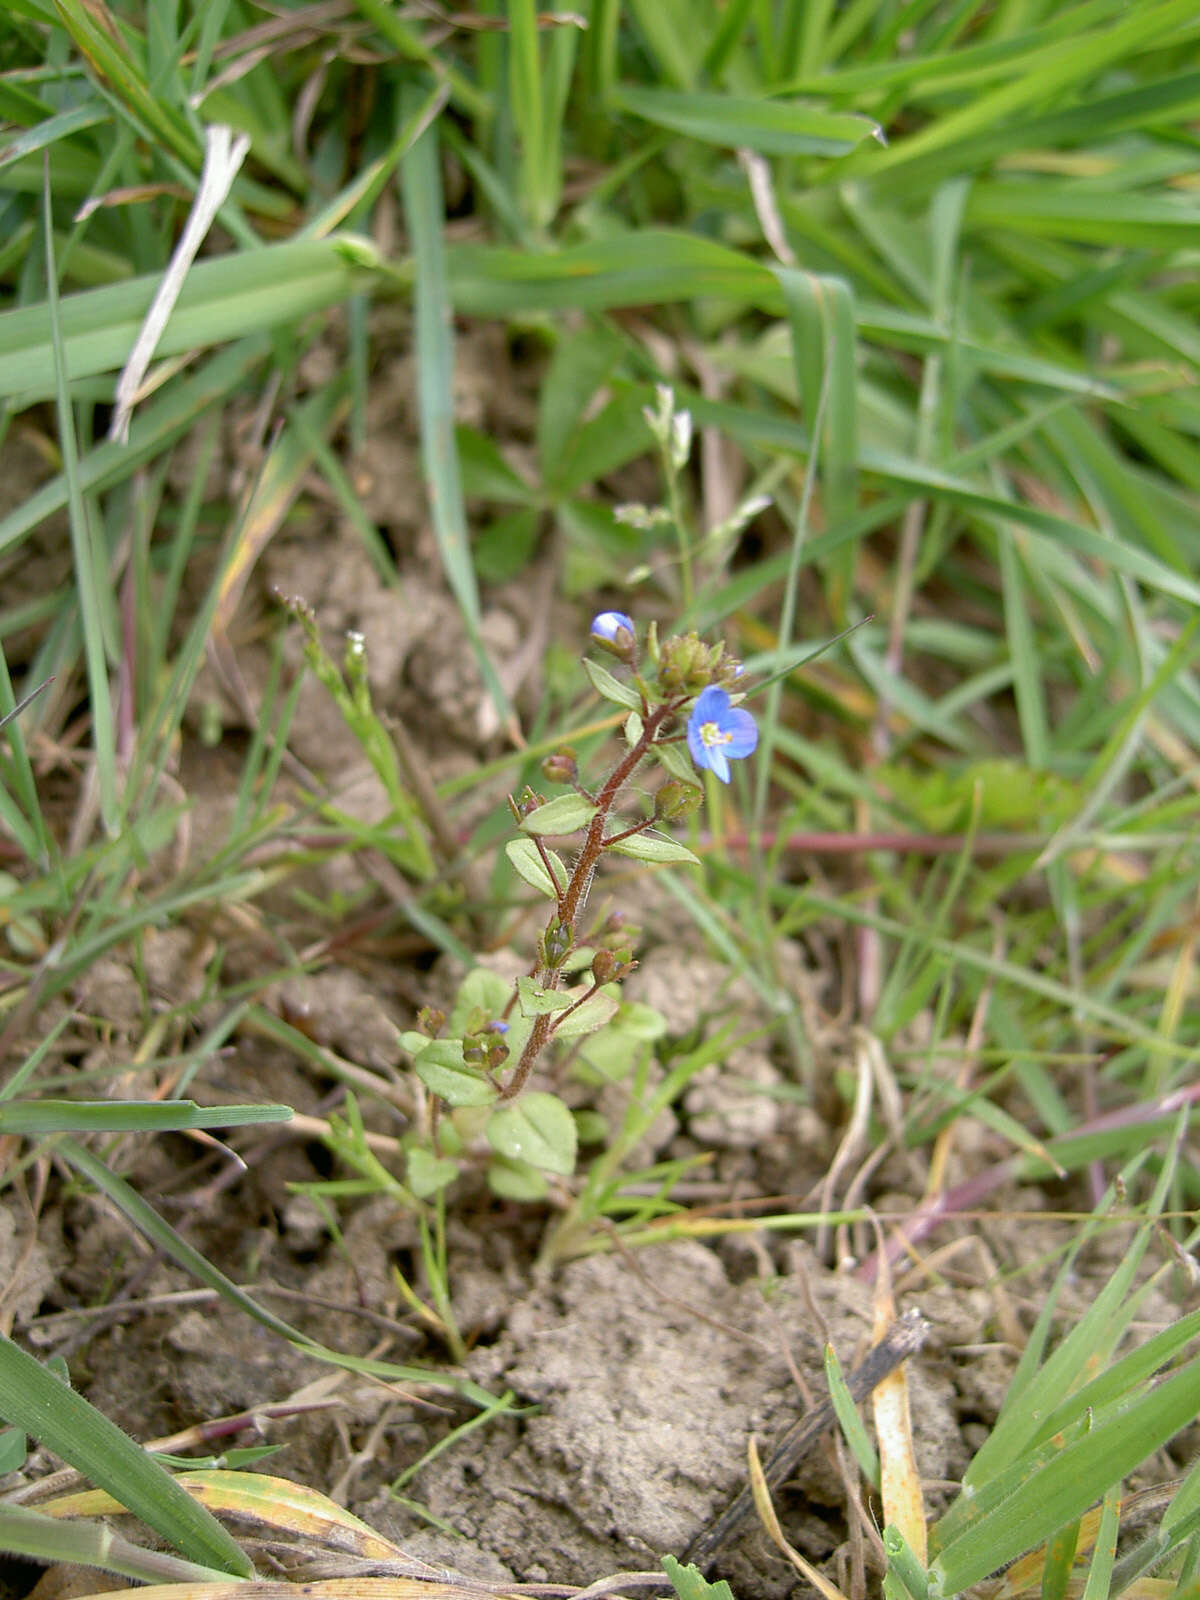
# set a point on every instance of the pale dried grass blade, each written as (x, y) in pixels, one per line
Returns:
(223, 157)
(766, 1512)
(899, 1479)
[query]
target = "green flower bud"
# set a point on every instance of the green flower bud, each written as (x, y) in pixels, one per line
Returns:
(604, 966)
(614, 631)
(682, 660)
(525, 803)
(431, 1021)
(619, 934)
(555, 945)
(676, 800)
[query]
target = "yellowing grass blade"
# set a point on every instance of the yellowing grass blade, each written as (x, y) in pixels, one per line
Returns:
(266, 1502)
(899, 1480)
(766, 1511)
(331, 1589)
(278, 484)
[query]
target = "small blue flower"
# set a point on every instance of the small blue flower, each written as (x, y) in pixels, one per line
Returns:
(609, 624)
(717, 731)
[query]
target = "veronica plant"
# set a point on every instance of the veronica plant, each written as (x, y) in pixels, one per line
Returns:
(680, 695)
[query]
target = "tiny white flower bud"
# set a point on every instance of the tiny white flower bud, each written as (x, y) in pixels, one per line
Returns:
(681, 438)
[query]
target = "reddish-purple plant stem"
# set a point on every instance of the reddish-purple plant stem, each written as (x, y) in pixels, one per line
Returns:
(559, 1017)
(574, 897)
(966, 1196)
(922, 844)
(628, 833)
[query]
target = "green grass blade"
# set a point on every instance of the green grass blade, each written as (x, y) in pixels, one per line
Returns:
(95, 602)
(528, 109)
(224, 298)
(132, 1116)
(158, 425)
(435, 373)
(32, 1398)
(162, 1235)
(851, 1423)
(1063, 1488)
(772, 127)
(24, 1532)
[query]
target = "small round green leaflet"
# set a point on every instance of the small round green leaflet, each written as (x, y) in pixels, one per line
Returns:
(516, 1180)
(535, 1000)
(538, 1129)
(481, 993)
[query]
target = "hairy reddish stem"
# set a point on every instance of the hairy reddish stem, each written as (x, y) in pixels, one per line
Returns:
(574, 897)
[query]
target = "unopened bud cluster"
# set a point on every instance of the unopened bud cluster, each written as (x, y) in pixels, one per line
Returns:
(686, 665)
(486, 1047)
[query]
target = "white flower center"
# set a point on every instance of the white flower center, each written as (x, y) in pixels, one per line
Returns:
(712, 734)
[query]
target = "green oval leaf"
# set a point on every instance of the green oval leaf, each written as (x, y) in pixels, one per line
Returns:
(612, 688)
(567, 814)
(653, 847)
(442, 1070)
(676, 760)
(592, 1014)
(428, 1173)
(481, 993)
(538, 1129)
(516, 1180)
(523, 854)
(534, 999)
(641, 1021)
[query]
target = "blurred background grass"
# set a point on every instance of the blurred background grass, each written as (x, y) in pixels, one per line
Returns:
(925, 276)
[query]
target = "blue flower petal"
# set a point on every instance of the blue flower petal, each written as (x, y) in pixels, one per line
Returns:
(743, 731)
(712, 704)
(717, 763)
